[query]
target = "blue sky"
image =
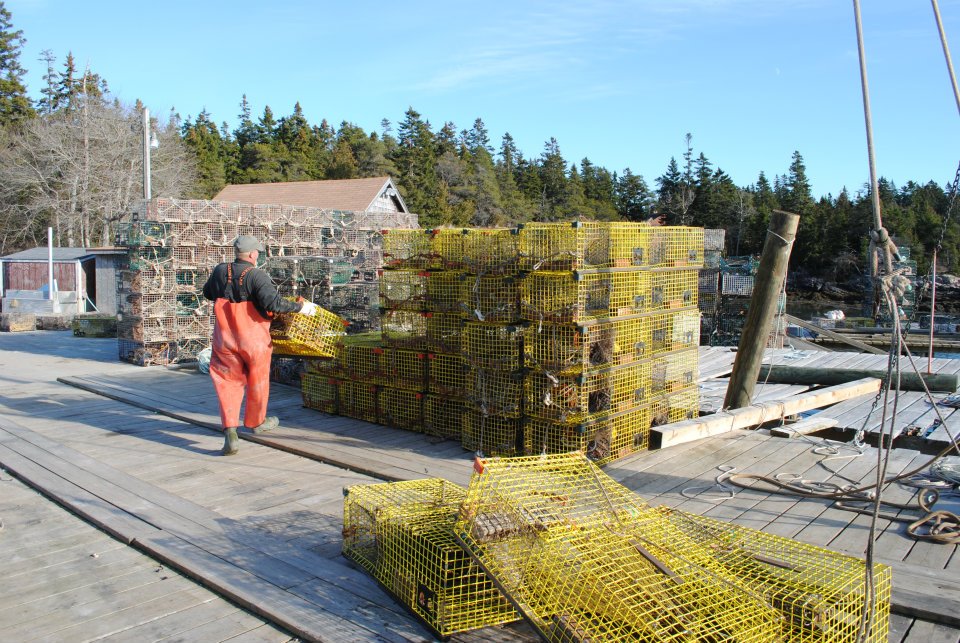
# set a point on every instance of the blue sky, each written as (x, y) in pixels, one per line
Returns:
(619, 82)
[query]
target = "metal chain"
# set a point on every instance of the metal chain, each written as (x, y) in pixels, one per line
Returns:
(953, 200)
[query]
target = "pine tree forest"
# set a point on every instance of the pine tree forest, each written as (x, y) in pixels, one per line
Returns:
(71, 159)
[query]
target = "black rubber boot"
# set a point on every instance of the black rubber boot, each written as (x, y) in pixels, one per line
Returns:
(231, 443)
(268, 424)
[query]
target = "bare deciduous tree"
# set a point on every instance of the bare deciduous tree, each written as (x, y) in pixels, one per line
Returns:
(80, 170)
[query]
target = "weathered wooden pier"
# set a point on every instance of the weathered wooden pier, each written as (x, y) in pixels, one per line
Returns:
(254, 539)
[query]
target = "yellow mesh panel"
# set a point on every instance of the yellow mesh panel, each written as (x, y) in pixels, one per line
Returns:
(402, 534)
(314, 335)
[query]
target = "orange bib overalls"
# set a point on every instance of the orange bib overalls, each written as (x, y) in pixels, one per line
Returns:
(241, 358)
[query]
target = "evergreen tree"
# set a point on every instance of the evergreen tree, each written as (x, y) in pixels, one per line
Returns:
(48, 94)
(633, 196)
(797, 198)
(203, 138)
(15, 107)
(553, 177)
(416, 161)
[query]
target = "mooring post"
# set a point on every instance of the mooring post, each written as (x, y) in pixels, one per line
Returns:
(763, 307)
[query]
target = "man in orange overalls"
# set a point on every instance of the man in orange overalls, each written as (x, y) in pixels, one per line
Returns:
(245, 300)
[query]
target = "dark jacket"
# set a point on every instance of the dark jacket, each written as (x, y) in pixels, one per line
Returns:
(257, 287)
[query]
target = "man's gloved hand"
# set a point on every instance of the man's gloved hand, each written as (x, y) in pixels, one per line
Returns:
(309, 308)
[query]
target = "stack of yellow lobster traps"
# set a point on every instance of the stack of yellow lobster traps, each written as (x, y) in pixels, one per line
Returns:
(546, 338)
(612, 335)
(582, 558)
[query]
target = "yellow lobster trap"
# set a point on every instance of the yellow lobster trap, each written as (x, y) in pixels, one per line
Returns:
(358, 400)
(565, 297)
(447, 374)
(320, 392)
(568, 348)
(491, 298)
(399, 408)
(402, 369)
(582, 244)
(443, 416)
(490, 251)
(314, 335)
(601, 441)
(445, 292)
(675, 407)
(674, 330)
(672, 372)
(408, 248)
(402, 534)
(583, 558)
(821, 595)
(403, 289)
(494, 391)
(498, 346)
(588, 396)
(404, 329)
(671, 289)
(493, 434)
(359, 357)
(676, 246)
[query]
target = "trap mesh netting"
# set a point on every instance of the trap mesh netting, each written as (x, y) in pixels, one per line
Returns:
(314, 335)
(402, 534)
(585, 559)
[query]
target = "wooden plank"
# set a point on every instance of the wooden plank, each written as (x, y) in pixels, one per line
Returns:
(923, 632)
(118, 523)
(228, 627)
(805, 426)
(687, 430)
(299, 616)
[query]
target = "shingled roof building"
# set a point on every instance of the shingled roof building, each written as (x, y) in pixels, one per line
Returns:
(377, 194)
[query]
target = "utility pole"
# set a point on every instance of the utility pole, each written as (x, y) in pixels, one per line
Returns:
(763, 307)
(146, 154)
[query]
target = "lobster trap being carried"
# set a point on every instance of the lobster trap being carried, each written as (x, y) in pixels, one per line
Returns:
(314, 335)
(568, 348)
(402, 534)
(585, 559)
(565, 297)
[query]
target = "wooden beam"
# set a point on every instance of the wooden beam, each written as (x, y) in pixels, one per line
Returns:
(909, 381)
(754, 415)
(866, 348)
(805, 426)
